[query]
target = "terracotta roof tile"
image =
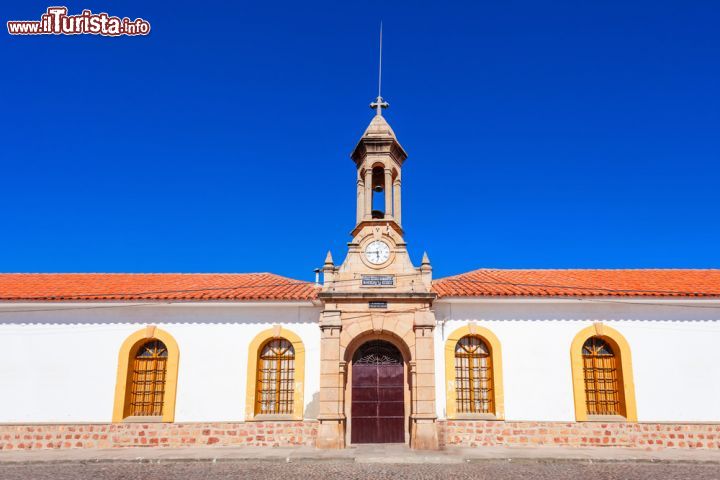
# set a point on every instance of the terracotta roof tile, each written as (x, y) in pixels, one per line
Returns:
(551, 283)
(152, 286)
(268, 286)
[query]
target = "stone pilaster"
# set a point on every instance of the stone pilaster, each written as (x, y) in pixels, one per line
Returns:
(388, 193)
(397, 205)
(423, 429)
(360, 200)
(368, 193)
(331, 431)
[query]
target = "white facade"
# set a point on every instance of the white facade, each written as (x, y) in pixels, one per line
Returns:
(58, 362)
(60, 365)
(673, 345)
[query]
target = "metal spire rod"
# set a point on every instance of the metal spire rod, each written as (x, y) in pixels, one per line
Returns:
(379, 103)
(380, 65)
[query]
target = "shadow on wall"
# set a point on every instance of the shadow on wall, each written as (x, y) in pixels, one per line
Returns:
(313, 408)
(585, 309)
(158, 314)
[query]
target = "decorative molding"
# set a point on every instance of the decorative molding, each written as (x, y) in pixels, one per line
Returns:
(412, 364)
(599, 328)
(150, 331)
(330, 323)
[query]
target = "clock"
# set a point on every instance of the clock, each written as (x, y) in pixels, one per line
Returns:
(377, 252)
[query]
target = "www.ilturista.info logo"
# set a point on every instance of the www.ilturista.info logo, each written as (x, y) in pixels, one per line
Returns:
(56, 21)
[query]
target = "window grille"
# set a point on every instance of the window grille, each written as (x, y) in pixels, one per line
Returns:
(276, 378)
(149, 371)
(602, 384)
(473, 376)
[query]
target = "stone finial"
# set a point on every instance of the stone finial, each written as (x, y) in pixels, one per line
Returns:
(328, 270)
(329, 259)
(426, 270)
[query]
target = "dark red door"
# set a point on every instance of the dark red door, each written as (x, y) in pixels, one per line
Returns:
(378, 394)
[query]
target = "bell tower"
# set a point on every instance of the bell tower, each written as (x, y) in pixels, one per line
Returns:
(377, 254)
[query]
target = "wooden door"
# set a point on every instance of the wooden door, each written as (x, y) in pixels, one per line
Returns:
(378, 394)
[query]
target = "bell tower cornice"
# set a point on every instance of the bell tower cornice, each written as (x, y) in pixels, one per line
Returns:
(375, 223)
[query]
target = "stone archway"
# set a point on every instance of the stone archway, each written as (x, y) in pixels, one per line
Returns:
(342, 335)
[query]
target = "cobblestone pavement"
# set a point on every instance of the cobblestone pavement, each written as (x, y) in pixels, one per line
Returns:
(494, 470)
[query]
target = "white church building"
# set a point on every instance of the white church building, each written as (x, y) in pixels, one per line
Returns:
(377, 352)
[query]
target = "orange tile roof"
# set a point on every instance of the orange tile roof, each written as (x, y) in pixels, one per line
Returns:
(152, 286)
(268, 286)
(552, 283)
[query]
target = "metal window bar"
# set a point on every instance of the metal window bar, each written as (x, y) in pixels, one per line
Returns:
(601, 373)
(147, 383)
(473, 376)
(276, 378)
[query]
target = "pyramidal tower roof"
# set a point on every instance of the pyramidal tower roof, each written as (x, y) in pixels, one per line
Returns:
(379, 138)
(379, 128)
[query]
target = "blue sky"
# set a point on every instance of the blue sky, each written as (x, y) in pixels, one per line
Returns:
(540, 135)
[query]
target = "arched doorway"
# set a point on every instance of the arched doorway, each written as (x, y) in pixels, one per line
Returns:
(378, 394)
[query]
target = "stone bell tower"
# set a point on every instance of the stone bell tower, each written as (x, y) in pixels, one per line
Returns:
(377, 258)
(377, 299)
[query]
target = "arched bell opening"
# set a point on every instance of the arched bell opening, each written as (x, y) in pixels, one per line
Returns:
(378, 193)
(378, 189)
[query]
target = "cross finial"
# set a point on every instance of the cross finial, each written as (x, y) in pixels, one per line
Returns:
(379, 103)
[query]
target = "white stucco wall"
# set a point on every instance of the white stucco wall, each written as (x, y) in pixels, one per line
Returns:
(674, 353)
(60, 365)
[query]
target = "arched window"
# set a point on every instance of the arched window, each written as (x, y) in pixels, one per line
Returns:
(602, 375)
(276, 378)
(275, 375)
(147, 376)
(147, 383)
(473, 376)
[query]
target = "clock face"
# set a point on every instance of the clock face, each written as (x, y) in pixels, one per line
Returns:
(377, 252)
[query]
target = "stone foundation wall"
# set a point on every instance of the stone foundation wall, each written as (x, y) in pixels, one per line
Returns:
(255, 434)
(651, 436)
(458, 433)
